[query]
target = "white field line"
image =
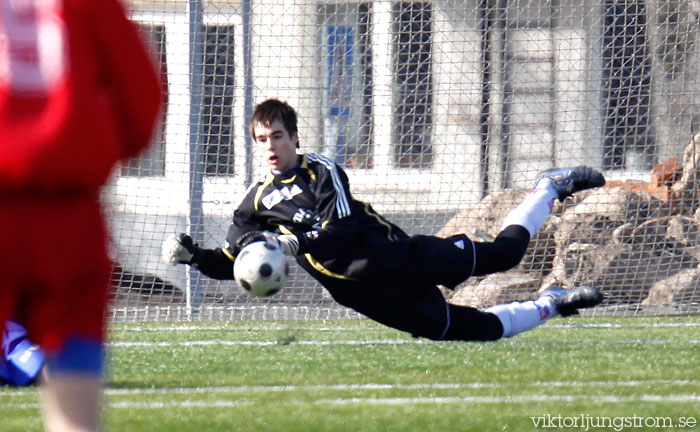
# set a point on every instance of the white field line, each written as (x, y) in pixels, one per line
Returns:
(681, 398)
(179, 404)
(146, 405)
(674, 398)
(380, 386)
(378, 342)
(267, 343)
(368, 386)
(189, 327)
(630, 325)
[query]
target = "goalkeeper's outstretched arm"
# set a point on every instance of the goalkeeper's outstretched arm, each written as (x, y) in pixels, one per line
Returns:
(215, 263)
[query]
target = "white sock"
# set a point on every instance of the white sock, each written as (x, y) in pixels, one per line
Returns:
(534, 210)
(518, 317)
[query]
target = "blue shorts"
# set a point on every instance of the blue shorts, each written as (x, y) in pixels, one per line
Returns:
(79, 355)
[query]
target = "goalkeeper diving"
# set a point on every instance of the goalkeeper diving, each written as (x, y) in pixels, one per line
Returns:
(368, 263)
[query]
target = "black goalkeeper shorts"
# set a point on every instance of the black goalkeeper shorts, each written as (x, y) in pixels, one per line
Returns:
(409, 299)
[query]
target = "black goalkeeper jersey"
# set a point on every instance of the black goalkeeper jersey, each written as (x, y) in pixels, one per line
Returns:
(339, 236)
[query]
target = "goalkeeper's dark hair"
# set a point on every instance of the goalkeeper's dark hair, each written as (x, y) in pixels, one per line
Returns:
(270, 110)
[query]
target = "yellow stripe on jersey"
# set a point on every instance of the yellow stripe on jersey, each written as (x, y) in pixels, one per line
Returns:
(258, 194)
(228, 254)
(380, 220)
(315, 264)
(305, 165)
(321, 269)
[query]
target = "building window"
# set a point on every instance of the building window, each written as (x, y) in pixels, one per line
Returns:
(347, 85)
(152, 161)
(413, 117)
(627, 141)
(216, 115)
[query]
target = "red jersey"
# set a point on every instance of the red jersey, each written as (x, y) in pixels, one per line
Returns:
(78, 92)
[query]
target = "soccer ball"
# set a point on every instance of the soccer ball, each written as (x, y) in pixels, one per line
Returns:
(261, 268)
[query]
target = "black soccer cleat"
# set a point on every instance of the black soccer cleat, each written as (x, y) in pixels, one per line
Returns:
(567, 181)
(568, 302)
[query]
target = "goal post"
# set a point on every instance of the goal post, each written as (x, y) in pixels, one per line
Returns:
(442, 112)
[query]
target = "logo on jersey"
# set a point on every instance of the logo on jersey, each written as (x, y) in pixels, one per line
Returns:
(307, 217)
(278, 195)
(459, 244)
(33, 50)
(311, 235)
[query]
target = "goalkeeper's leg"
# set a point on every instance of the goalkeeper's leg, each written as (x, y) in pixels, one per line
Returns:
(453, 259)
(518, 227)
(518, 317)
(499, 321)
(522, 223)
(510, 319)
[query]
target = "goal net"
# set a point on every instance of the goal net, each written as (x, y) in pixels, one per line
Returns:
(442, 112)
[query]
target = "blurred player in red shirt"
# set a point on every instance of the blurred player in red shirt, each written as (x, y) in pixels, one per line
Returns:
(78, 92)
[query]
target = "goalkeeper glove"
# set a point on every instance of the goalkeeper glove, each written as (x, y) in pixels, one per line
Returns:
(288, 243)
(179, 249)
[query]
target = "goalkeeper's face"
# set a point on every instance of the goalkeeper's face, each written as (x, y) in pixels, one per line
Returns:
(277, 146)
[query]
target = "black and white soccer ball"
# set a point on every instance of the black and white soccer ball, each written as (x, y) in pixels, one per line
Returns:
(261, 268)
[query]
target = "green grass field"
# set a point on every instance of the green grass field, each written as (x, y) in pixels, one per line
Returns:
(622, 374)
